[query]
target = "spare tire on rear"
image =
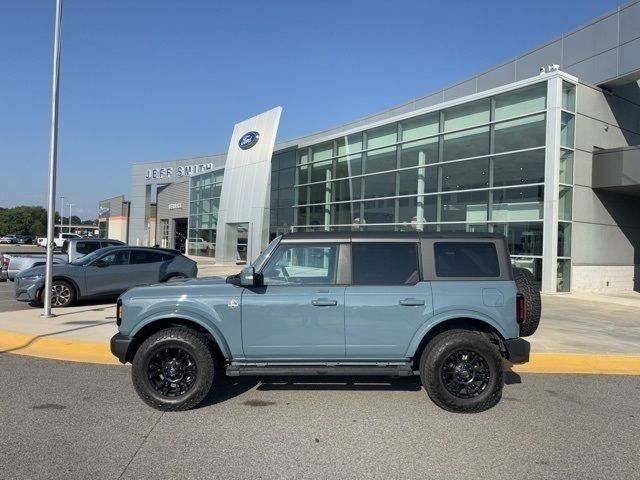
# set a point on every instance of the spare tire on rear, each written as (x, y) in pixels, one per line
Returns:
(526, 284)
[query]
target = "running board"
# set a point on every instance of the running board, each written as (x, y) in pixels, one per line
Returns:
(274, 369)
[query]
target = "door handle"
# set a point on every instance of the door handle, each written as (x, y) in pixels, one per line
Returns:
(324, 302)
(411, 302)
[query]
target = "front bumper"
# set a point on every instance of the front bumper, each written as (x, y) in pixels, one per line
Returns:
(27, 291)
(120, 346)
(517, 350)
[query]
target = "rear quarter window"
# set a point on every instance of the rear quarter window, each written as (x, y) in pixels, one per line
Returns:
(385, 263)
(466, 259)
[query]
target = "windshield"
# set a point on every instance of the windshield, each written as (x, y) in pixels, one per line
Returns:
(90, 257)
(264, 256)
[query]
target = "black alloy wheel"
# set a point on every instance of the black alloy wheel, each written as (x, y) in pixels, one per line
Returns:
(174, 369)
(461, 370)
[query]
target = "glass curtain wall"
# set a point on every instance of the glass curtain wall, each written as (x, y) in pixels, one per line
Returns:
(283, 180)
(477, 166)
(204, 200)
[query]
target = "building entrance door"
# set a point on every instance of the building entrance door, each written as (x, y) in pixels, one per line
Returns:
(180, 234)
(242, 243)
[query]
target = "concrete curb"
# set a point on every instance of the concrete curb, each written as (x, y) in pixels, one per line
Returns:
(69, 349)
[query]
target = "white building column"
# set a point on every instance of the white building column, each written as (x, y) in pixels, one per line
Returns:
(551, 186)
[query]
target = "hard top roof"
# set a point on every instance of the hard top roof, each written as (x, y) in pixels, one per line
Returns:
(382, 236)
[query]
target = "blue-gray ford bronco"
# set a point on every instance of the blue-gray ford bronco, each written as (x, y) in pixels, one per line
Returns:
(446, 306)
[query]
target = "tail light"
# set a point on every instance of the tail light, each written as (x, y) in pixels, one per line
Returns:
(521, 307)
(5, 263)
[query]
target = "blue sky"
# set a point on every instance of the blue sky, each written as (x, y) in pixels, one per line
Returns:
(146, 80)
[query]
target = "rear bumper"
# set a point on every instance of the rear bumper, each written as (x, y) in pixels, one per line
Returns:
(517, 350)
(120, 346)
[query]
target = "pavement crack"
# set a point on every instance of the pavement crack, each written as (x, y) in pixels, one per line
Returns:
(144, 440)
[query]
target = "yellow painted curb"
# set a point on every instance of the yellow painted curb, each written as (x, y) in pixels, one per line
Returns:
(61, 348)
(56, 348)
(580, 363)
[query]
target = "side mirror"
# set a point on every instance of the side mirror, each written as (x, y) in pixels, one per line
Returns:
(248, 277)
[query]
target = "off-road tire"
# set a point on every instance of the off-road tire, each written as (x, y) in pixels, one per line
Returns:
(200, 350)
(452, 342)
(526, 283)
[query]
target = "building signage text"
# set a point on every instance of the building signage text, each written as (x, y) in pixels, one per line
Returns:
(181, 171)
(175, 206)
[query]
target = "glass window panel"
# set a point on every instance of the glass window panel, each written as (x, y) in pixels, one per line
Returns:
(462, 227)
(566, 166)
(381, 160)
(317, 214)
(217, 189)
(345, 213)
(566, 129)
(518, 203)
(569, 96)
(275, 163)
(302, 198)
(350, 144)
(564, 276)
(321, 171)
(419, 153)
(396, 264)
(466, 115)
(565, 203)
(286, 197)
(320, 193)
(348, 166)
(303, 156)
(288, 159)
(466, 259)
(522, 238)
(303, 174)
(415, 210)
(273, 219)
(301, 216)
(379, 211)
(534, 265)
(345, 190)
(464, 206)
(380, 185)
(322, 151)
(518, 168)
(465, 175)
(381, 136)
(285, 216)
(564, 239)
(419, 127)
(418, 181)
(302, 264)
(274, 180)
(468, 143)
(520, 102)
(287, 178)
(528, 132)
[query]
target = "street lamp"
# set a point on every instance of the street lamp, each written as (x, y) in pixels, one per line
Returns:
(70, 205)
(53, 161)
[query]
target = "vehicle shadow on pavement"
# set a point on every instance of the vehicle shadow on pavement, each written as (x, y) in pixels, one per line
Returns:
(38, 337)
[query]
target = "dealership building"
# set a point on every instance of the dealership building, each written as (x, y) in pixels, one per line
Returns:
(543, 148)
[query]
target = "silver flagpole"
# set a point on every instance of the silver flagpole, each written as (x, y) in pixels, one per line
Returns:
(53, 159)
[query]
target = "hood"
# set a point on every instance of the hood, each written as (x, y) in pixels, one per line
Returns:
(179, 288)
(41, 269)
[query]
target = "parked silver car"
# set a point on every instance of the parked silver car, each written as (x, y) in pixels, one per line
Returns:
(107, 272)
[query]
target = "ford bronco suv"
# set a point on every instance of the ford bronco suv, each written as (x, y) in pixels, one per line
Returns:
(448, 307)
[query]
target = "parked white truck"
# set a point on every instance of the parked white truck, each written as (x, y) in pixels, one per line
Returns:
(58, 240)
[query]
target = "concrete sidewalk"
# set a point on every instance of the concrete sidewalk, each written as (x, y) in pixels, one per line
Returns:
(577, 334)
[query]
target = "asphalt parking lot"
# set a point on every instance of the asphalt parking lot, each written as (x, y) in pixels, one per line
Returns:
(70, 420)
(8, 301)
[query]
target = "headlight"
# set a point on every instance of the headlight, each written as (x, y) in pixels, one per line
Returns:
(31, 278)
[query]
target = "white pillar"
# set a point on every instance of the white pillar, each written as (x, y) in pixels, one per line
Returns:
(551, 186)
(422, 173)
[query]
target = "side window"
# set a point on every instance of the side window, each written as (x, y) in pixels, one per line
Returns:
(144, 256)
(385, 263)
(86, 247)
(302, 265)
(65, 246)
(466, 259)
(119, 257)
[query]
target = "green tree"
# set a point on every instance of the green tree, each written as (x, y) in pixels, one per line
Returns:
(23, 220)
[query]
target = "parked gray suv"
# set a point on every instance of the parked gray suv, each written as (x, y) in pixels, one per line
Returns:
(447, 307)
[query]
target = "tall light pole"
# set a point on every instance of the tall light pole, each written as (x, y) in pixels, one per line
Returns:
(61, 211)
(70, 205)
(53, 160)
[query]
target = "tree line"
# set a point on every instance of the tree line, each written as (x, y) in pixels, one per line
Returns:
(27, 220)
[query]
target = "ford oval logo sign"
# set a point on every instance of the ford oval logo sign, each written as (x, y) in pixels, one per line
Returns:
(248, 140)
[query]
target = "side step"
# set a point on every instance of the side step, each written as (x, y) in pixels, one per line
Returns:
(274, 369)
